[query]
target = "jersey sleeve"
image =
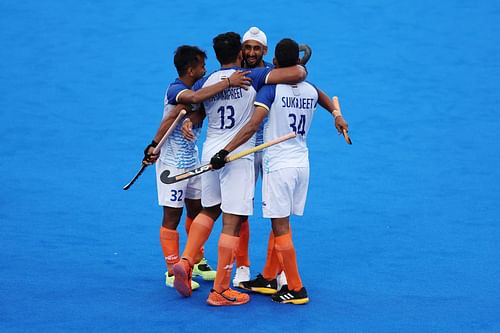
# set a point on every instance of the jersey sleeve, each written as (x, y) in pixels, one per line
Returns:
(265, 96)
(173, 92)
(258, 76)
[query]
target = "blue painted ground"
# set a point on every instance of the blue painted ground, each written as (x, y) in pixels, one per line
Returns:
(401, 232)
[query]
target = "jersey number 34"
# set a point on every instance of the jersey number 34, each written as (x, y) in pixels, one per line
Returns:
(299, 127)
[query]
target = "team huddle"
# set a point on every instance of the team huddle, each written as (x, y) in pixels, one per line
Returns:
(245, 103)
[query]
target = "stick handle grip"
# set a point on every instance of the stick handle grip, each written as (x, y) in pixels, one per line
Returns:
(260, 147)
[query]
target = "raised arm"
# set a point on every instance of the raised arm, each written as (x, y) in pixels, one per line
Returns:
(291, 75)
(237, 79)
(329, 104)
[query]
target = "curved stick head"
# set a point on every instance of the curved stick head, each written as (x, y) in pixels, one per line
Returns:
(164, 176)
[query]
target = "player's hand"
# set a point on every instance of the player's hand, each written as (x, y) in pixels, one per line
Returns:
(187, 129)
(341, 124)
(219, 159)
(149, 156)
(239, 79)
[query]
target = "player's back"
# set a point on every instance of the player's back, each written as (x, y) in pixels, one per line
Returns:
(228, 111)
(291, 108)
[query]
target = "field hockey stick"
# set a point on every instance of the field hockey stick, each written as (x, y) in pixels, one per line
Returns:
(344, 131)
(157, 148)
(164, 177)
(307, 53)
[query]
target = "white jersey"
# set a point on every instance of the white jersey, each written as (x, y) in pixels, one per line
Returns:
(228, 111)
(291, 108)
(177, 151)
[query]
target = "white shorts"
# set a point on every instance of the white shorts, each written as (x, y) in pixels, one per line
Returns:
(284, 192)
(173, 195)
(232, 186)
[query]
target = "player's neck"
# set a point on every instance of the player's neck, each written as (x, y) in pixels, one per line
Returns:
(187, 80)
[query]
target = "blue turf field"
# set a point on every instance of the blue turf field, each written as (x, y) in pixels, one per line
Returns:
(401, 232)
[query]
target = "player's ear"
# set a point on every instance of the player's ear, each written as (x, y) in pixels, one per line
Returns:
(275, 62)
(264, 50)
(240, 56)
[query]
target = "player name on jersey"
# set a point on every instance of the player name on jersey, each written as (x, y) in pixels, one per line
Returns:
(226, 94)
(297, 102)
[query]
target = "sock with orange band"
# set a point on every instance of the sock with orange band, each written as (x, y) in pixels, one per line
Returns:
(226, 249)
(242, 258)
(198, 234)
(169, 240)
(285, 252)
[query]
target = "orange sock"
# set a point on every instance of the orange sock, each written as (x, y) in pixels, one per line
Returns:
(169, 240)
(242, 258)
(272, 267)
(187, 225)
(286, 254)
(227, 248)
(198, 235)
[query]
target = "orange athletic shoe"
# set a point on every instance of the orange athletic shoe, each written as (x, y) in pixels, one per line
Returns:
(227, 297)
(182, 282)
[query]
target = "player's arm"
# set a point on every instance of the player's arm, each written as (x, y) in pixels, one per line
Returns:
(292, 74)
(245, 133)
(149, 157)
(248, 129)
(237, 79)
(327, 103)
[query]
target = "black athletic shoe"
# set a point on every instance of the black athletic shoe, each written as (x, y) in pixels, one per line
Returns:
(260, 285)
(291, 296)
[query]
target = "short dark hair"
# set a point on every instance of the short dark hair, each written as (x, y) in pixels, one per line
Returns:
(287, 52)
(226, 47)
(187, 56)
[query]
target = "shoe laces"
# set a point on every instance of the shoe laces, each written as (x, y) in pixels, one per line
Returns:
(230, 293)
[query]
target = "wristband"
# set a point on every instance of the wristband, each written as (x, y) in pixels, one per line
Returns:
(153, 144)
(228, 82)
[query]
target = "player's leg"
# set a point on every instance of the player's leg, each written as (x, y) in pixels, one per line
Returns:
(285, 251)
(193, 208)
(279, 189)
(171, 198)
(198, 233)
(221, 294)
(237, 190)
